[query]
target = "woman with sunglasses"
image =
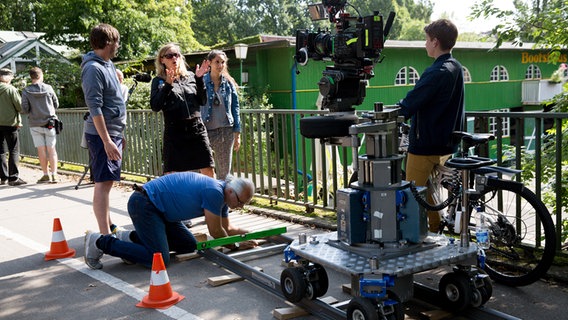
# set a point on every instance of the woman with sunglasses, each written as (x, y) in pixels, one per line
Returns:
(221, 113)
(179, 93)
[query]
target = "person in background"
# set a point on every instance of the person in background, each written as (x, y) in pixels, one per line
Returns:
(123, 87)
(179, 93)
(221, 113)
(39, 102)
(435, 108)
(157, 210)
(106, 121)
(10, 123)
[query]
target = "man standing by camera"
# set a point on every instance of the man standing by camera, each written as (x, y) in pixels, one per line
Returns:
(39, 102)
(10, 123)
(105, 124)
(436, 109)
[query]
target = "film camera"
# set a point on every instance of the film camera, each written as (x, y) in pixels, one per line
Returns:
(354, 47)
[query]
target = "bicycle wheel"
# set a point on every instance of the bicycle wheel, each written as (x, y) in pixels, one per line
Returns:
(523, 238)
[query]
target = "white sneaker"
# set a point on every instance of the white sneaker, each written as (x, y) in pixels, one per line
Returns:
(122, 234)
(92, 253)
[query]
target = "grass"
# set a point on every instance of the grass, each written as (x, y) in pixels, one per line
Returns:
(300, 210)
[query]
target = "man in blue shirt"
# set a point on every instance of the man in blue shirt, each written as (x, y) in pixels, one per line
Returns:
(435, 107)
(158, 210)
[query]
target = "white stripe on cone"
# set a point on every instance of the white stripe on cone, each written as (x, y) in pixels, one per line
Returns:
(57, 236)
(159, 278)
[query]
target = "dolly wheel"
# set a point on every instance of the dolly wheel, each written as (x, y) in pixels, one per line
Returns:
(397, 309)
(455, 291)
(362, 309)
(318, 282)
(487, 289)
(293, 284)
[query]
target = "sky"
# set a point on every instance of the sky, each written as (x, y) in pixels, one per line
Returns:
(458, 10)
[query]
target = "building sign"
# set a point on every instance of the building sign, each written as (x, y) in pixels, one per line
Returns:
(540, 57)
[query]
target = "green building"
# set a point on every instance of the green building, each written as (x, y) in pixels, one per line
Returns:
(520, 72)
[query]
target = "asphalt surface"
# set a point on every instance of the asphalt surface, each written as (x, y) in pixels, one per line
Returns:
(32, 288)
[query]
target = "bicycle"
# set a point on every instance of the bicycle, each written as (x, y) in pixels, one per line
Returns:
(522, 233)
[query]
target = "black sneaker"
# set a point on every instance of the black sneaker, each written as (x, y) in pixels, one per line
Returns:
(15, 183)
(3, 182)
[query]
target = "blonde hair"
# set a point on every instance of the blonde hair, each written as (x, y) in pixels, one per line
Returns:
(161, 68)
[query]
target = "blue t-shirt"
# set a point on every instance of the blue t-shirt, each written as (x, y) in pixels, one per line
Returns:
(184, 195)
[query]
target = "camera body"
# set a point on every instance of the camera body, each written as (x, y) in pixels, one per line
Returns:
(355, 47)
(355, 41)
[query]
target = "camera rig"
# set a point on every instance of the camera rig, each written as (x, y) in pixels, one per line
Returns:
(355, 47)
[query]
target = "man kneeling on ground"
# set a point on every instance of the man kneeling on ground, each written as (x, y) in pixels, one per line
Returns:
(157, 210)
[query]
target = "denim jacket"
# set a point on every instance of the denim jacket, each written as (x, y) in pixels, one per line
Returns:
(230, 99)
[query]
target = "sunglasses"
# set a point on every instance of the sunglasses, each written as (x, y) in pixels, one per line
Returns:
(216, 101)
(171, 55)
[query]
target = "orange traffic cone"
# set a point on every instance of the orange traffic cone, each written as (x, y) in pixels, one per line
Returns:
(59, 248)
(161, 295)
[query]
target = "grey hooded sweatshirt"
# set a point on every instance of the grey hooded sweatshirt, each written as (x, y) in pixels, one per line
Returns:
(39, 102)
(103, 95)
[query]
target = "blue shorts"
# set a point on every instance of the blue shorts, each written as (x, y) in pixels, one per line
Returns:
(103, 169)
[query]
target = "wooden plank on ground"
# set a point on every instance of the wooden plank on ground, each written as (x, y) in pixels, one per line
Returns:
(436, 314)
(221, 280)
(295, 311)
(187, 256)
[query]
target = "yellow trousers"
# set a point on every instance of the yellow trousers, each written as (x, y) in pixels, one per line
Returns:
(418, 170)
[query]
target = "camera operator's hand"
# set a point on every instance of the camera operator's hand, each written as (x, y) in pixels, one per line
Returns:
(201, 70)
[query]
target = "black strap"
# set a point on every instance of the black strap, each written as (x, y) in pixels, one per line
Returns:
(139, 189)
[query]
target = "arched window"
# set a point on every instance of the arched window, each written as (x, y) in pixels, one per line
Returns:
(533, 72)
(406, 75)
(499, 73)
(400, 79)
(413, 75)
(466, 75)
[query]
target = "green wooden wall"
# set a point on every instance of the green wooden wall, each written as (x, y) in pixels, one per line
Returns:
(273, 69)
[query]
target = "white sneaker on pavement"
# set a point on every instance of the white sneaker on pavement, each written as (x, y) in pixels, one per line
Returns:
(92, 253)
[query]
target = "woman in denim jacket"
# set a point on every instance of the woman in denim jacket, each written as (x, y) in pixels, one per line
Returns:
(221, 112)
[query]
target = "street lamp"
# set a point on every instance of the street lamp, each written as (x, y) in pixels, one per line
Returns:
(241, 54)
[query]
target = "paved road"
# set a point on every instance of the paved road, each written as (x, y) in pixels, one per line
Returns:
(32, 288)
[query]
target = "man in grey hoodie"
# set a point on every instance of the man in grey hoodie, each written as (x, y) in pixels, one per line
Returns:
(39, 102)
(107, 118)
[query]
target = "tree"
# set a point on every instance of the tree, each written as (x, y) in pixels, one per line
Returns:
(245, 18)
(144, 25)
(17, 15)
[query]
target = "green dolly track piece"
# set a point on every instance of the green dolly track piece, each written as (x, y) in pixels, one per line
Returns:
(238, 238)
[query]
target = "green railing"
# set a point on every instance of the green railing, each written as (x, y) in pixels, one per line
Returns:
(287, 167)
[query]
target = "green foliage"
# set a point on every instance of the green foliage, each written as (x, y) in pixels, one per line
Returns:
(541, 22)
(64, 77)
(243, 18)
(144, 25)
(140, 97)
